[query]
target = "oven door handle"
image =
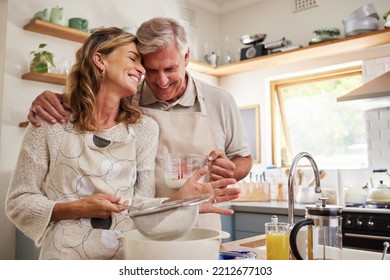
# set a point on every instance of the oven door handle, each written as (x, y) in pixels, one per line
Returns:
(367, 236)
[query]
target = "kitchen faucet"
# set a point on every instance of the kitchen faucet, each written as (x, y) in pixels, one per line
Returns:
(291, 182)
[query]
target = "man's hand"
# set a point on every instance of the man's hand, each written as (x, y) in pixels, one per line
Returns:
(221, 166)
(48, 105)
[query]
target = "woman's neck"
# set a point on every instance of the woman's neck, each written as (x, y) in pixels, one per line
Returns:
(106, 111)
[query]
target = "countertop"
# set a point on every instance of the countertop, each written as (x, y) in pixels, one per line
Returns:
(272, 207)
(255, 244)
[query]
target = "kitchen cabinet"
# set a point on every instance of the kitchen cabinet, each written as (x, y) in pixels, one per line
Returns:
(251, 224)
(249, 217)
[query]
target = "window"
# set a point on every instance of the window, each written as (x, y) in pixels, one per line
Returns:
(307, 117)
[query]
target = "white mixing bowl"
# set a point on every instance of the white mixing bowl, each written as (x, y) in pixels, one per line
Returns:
(197, 244)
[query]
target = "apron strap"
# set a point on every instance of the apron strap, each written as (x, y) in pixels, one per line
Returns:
(199, 94)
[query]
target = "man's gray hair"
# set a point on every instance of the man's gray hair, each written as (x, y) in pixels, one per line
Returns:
(158, 33)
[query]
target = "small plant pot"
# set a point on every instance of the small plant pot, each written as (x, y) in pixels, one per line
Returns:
(39, 66)
(41, 60)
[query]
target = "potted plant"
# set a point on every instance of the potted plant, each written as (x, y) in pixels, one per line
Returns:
(386, 17)
(41, 60)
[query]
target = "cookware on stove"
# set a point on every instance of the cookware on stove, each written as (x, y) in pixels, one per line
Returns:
(380, 189)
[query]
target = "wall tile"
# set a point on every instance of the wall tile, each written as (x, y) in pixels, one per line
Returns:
(379, 124)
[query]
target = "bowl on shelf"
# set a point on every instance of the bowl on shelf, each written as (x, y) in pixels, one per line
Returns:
(253, 39)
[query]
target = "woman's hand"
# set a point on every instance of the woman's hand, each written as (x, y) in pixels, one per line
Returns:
(94, 206)
(48, 106)
(217, 190)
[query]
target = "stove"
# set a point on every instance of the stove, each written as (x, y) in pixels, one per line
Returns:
(375, 205)
(366, 226)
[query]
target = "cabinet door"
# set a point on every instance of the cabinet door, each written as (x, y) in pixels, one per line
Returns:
(251, 224)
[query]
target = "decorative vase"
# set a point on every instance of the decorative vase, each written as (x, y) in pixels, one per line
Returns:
(41, 66)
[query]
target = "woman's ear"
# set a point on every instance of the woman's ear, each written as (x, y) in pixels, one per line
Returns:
(99, 62)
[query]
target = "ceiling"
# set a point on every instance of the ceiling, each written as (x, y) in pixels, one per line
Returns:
(222, 6)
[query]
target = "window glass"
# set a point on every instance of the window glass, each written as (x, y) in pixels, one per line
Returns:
(307, 117)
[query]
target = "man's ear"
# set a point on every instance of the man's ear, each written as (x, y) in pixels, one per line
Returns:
(187, 57)
(98, 60)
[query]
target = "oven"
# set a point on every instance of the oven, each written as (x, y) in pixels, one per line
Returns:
(365, 227)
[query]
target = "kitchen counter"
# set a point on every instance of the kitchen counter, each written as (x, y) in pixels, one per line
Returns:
(257, 245)
(271, 207)
(250, 216)
(250, 242)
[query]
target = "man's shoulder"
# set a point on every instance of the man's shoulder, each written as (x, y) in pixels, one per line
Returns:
(214, 90)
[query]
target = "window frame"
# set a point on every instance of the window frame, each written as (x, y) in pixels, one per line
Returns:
(275, 108)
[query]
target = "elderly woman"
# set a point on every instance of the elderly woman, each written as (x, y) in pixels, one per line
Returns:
(73, 182)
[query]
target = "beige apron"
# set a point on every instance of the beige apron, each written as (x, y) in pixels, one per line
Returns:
(183, 132)
(87, 164)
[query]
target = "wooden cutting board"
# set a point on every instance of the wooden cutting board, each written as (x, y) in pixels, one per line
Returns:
(254, 192)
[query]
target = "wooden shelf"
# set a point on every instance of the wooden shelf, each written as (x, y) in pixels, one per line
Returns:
(24, 124)
(67, 33)
(56, 30)
(334, 47)
(202, 67)
(45, 77)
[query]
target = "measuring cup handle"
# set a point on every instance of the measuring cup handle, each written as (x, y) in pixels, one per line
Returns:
(293, 236)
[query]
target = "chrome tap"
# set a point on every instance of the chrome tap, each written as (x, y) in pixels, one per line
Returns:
(291, 182)
(386, 245)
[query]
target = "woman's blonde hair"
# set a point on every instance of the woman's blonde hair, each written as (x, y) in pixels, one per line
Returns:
(85, 78)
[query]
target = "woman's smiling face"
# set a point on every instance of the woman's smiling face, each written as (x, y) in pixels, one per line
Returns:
(123, 69)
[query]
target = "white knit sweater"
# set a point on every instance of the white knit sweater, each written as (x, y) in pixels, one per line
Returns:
(27, 204)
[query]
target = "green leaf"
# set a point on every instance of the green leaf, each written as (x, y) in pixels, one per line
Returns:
(42, 45)
(49, 57)
(386, 15)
